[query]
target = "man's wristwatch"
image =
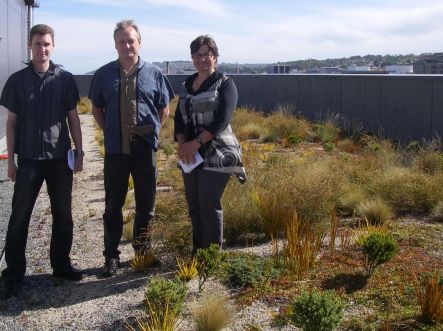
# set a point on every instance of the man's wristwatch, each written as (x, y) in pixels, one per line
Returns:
(78, 152)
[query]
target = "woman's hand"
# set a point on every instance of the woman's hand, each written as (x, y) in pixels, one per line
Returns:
(187, 150)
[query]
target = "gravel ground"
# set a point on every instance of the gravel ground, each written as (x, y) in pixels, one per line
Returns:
(94, 303)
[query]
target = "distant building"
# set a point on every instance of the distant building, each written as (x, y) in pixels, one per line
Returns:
(356, 68)
(281, 69)
(330, 70)
(16, 18)
(401, 69)
(429, 64)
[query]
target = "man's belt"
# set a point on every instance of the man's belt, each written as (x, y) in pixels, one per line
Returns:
(141, 130)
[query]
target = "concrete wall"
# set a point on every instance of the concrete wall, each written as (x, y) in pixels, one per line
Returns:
(404, 106)
(13, 51)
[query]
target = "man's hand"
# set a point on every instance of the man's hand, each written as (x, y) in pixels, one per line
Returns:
(78, 163)
(12, 170)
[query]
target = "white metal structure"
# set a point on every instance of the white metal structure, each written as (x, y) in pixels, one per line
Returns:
(15, 22)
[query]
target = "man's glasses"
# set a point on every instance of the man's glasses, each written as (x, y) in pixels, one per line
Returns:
(199, 56)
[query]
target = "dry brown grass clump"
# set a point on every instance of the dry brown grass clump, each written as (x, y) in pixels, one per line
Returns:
(302, 245)
(212, 313)
(172, 227)
(429, 293)
(428, 161)
(407, 189)
(84, 106)
(375, 211)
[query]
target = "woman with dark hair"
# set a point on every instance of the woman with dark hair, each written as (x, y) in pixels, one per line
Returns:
(206, 104)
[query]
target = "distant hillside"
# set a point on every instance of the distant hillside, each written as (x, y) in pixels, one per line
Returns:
(180, 67)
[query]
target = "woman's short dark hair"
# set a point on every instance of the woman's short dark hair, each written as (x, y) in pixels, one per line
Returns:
(41, 29)
(204, 40)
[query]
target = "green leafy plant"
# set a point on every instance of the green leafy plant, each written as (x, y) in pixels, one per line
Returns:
(165, 295)
(329, 146)
(208, 262)
(247, 270)
(317, 311)
(378, 248)
(294, 139)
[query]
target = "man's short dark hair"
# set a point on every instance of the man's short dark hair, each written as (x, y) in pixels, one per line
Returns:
(41, 29)
(204, 40)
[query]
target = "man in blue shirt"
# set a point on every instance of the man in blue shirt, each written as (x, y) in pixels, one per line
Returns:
(129, 102)
(39, 99)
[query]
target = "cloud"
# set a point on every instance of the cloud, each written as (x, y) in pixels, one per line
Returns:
(206, 7)
(252, 34)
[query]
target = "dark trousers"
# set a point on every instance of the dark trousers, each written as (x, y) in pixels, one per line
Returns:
(141, 164)
(204, 190)
(30, 177)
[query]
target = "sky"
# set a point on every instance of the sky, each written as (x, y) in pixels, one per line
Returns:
(246, 31)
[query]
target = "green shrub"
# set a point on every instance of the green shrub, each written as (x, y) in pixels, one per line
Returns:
(317, 311)
(376, 211)
(208, 262)
(378, 248)
(328, 146)
(247, 271)
(294, 139)
(164, 294)
(324, 133)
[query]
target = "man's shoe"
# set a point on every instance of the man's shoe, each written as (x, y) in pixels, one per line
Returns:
(11, 289)
(69, 274)
(111, 267)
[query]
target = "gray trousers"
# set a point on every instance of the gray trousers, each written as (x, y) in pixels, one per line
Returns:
(204, 190)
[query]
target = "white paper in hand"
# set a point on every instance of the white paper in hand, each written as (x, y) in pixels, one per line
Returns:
(71, 159)
(188, 167)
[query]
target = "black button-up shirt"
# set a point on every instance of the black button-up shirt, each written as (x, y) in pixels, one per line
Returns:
(41, 105)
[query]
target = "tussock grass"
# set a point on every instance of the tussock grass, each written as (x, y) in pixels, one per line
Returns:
(375, 211)
(352, 196)
(128, 224)
(172, 213)
(407, 189)
(240, 216)
(212, 313)
(84, 106)
(282, 124)
(430, 162)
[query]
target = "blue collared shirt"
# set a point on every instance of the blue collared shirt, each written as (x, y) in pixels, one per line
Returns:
(153, 93)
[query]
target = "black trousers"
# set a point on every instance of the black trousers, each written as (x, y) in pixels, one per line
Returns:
(141, 164)
(204, 190)
(30, 177)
